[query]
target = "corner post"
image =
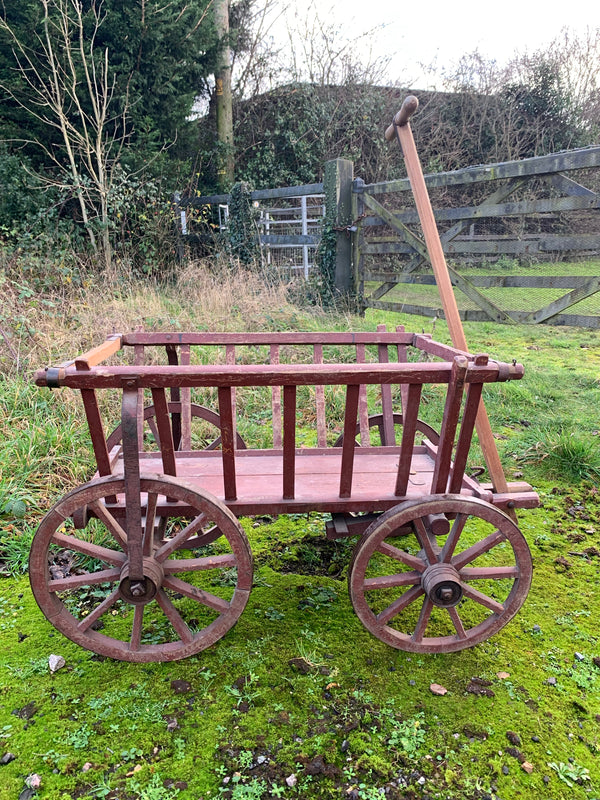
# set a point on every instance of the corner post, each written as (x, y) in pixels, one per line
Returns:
(339, 174)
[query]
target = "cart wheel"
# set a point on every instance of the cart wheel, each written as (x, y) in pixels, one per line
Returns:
(197, 571)
(376, 421)
(205, 440)
(438, 594)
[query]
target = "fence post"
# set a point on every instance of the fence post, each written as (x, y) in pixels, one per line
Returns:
(339, 174)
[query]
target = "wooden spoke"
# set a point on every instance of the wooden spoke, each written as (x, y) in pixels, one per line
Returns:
(136, 630)
(422, 535)
(174, 565)
(194, 593)
(453, 537)
(488, 573)
(154, 430)
(423, 621)
(100, 609)
(111, 523)
(399, 605)
(89, 549)
(392, 581)
(180, 538)
(206, 538)
(471, 553)
(457, 622)
(85, 579)
(150, 523)
(399, 555)
(483, 599)
(174, 617)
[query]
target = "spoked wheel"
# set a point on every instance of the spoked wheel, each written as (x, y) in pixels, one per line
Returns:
(205, 423)
(197, 570)
(376, 421)
(440, 587)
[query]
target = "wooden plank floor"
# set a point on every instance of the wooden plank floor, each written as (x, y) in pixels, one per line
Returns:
(259, 478)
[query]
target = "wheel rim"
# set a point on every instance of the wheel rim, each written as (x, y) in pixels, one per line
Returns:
(197, 571)
(197, 412)
(428, 593)
(376, 421)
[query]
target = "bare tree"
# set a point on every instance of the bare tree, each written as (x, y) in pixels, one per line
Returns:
(68, 89)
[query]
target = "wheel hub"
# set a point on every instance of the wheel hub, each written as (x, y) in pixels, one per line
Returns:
(442, 584)
(140, 592)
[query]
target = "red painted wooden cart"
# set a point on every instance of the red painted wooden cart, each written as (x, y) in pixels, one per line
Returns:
(148, 561)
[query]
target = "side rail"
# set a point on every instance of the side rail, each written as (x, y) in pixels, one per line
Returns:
(463, 376)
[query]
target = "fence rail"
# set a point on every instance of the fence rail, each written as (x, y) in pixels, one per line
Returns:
(530, 208)
(540, 209)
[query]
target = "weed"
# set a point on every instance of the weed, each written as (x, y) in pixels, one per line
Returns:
(80, 738)
(321, 597)
(570, 773)
(408, 735)
(15, 544)
(243, 690)
(155, 790)
(38, 666)
(273, 614)
(5, 732)
(254, 790)
(10, 613)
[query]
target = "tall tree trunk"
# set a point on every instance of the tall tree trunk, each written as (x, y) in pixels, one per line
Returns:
(223, 96)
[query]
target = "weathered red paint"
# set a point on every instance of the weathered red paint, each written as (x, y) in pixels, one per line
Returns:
(160, 507)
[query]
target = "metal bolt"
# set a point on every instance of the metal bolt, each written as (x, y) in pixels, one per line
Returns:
(137, 589)
(446, 593)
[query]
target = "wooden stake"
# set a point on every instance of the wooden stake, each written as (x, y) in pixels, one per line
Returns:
(401, 128)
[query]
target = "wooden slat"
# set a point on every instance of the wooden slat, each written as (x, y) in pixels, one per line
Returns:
(403, 359)
(289, 442)
(94, 420)
(165, 432)
(131, 471)
(173, 361)
(138, 360)
(409, 429)
(363, 406)
(230, 359)
(538, 165)
(592, 286)
(320, 400)
(490, 281)
(389, 434)
(347, 464)
(227, 441)
(276, 400)
(186, 404)
(465, 436)
(449, 425)
(265, 338)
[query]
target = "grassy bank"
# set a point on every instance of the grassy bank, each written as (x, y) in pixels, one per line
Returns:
(299, 700)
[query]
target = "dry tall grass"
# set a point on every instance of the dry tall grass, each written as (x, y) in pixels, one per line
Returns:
(42, 330)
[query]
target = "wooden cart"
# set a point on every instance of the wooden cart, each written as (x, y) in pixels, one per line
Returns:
(148, 561)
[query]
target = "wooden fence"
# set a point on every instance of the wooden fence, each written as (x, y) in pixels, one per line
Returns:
(288, 220)
(537, 209)
(495, 221)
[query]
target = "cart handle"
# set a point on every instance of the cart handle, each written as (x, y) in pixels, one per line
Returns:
(98, 354)
(409, 106)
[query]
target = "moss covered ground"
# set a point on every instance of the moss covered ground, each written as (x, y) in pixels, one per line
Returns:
(298, 700)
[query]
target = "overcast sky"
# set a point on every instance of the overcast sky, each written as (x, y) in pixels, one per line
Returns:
(431, 30)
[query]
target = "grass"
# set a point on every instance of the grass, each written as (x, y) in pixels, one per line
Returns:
(239, 720)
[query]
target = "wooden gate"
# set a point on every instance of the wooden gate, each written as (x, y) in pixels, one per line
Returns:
(491, 219)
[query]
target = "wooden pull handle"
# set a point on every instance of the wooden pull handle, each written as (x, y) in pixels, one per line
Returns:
(409, 106)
